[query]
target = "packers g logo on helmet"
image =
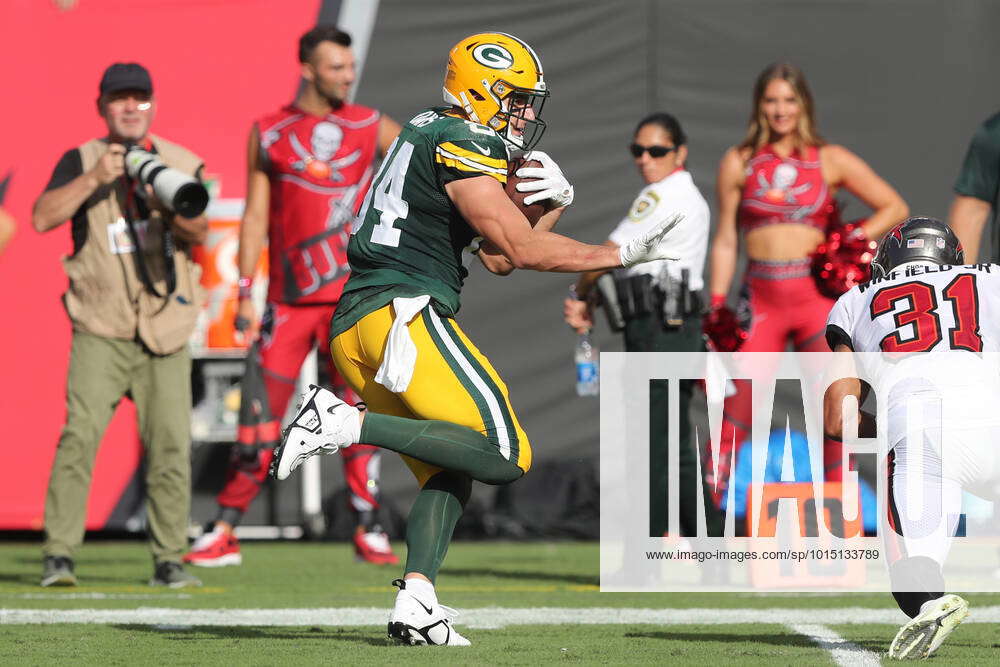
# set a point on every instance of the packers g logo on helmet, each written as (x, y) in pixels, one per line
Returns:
(493, 55)
(496, 79)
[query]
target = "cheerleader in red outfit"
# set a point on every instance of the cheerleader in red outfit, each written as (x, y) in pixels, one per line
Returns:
(777, 187)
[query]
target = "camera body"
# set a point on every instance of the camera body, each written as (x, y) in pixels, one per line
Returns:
(183, 194)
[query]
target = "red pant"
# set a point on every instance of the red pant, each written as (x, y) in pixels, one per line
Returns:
(288, 333)
(782, 304)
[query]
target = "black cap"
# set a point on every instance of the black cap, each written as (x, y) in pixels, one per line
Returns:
(126, 76)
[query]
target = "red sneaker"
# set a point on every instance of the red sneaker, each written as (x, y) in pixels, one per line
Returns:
(214, 549)
(373, 547)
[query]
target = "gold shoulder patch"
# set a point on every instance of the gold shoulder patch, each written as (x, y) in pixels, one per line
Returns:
(643, 205)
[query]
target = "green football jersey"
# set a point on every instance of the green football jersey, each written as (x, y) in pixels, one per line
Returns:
(980, 175)
(409, 238)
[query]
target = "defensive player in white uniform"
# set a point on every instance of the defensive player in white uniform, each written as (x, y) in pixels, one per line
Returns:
(932, 328)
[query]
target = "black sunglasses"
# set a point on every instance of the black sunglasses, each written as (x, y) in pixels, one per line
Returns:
(654, 151)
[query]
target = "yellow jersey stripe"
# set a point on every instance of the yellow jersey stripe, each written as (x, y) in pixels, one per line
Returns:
(471, 163)
(458, 163)
(454, 149)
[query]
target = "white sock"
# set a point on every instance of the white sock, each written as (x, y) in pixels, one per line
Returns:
(422, 589)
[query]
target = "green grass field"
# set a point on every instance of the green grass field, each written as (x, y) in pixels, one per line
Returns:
(321, 583)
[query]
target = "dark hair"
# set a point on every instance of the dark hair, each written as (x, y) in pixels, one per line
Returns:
(667, 122)
(321, 33)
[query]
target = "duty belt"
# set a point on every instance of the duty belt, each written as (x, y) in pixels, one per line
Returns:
(625, 298)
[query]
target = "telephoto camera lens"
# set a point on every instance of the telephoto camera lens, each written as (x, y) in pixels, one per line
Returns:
(183, 194)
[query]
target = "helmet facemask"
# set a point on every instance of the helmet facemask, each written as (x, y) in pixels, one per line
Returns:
(519, 120)
(878, 273)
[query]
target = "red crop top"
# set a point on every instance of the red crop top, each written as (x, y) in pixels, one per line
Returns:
(785, 190)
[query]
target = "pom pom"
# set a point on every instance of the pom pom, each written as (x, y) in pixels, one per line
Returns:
(723, 330)
(843, 260)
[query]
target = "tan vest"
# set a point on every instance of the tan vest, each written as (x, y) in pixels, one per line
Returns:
(106, 296)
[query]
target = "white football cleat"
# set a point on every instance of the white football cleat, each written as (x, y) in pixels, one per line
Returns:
(419, 622)
(922, 635)
(323, 425)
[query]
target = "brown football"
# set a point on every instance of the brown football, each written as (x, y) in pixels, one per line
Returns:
(532, 211)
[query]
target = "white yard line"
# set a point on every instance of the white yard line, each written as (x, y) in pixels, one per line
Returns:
(102, 596)
(486, 617)
(843, 652)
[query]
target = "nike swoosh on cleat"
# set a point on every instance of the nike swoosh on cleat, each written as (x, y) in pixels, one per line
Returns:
(941, 618)
(426, 608)
(484, 151)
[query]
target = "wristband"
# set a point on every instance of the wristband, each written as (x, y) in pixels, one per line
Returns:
(717, 301)
(245, 286)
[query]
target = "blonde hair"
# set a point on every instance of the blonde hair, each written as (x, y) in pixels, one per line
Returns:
(759, 132)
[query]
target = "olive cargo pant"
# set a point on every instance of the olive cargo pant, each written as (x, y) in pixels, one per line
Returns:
(101, 372)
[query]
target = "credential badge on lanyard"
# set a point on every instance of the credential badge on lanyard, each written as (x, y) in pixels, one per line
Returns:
(119, 240)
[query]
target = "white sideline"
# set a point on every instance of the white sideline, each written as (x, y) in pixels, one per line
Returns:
(485, 617)
(842, 651)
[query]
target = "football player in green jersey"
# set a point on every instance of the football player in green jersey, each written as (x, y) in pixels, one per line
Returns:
(430, 395)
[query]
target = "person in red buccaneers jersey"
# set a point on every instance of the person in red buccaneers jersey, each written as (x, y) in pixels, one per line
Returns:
(777, 186)
(309, 166)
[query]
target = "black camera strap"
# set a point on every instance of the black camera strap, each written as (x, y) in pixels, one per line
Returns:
(131, 207)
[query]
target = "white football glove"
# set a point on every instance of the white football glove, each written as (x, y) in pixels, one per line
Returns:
(547, 181)
(646, 248)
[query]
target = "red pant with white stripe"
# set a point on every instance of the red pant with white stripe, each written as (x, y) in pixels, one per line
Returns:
(287, 335)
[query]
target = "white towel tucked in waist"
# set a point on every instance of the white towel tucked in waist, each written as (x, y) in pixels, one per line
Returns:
(400, 356)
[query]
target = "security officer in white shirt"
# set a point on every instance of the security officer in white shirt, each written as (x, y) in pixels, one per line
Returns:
(658, 305)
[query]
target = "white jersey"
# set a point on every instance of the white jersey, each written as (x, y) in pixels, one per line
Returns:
(688, 241)
(928, 339)
(921, 308)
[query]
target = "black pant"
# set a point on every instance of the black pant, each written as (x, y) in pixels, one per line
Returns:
(645, 333)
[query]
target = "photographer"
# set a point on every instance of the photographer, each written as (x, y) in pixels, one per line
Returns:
(133, 299)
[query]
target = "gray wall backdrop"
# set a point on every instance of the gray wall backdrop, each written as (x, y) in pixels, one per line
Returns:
(903, 83)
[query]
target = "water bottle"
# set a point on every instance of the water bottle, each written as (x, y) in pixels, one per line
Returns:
(587, 358)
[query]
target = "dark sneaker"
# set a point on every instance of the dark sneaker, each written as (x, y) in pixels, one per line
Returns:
(58, 571)
(173, 575)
